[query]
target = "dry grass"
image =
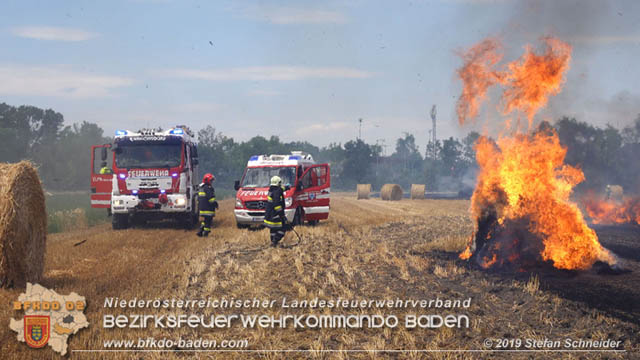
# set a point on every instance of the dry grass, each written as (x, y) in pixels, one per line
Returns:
(367, 250)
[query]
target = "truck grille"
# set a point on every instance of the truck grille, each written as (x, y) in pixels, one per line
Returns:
(256, 205)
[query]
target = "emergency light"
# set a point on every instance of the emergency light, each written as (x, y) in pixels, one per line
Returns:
(176, 131)
(122, 176)
(121, 132)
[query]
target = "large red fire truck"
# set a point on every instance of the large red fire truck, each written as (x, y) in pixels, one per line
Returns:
(149, 175)
(308, 188)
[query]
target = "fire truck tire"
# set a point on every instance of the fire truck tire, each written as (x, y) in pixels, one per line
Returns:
(190, 220)
(242, 226)
(313, 222)
(120, 221)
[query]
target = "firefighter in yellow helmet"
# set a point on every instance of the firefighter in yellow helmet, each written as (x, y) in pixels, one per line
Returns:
(207, 204)
(105, 170)
(274, 217)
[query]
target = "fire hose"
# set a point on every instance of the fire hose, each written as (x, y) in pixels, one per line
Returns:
(247, 251)
(285, 222)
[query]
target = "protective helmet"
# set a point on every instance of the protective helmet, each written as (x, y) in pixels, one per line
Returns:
(276, 181)
(208, 178)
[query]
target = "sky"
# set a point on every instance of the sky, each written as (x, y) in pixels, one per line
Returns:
(302, 70)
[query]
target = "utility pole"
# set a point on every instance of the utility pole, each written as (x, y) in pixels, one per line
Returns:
(433, 119)
(360, 129)
(378, 142)
(426, 152)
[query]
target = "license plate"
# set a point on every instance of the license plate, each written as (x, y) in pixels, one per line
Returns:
(256, 219)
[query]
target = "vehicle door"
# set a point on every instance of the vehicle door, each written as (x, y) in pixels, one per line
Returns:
(314, 190)
(101, 183)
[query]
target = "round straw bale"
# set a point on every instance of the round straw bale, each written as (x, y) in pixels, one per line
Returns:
(363, 191)
(23, 225)
(615, 192)
(391, 192)
(417, 191)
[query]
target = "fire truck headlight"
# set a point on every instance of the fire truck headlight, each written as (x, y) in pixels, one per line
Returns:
(180, 201)
(288, 201)
(118, 202)
(238, 203)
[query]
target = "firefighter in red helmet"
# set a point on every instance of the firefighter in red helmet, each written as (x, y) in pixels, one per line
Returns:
(207, 204)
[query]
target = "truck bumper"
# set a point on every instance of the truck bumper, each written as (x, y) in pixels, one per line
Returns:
(127, 204)
(256, 217)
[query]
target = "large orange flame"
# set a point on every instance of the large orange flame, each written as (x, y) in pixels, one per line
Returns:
(477, 77)
(533, 78)
(521, 202)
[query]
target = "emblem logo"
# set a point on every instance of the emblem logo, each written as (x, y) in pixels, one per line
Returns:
(36, 330)
(312, 196)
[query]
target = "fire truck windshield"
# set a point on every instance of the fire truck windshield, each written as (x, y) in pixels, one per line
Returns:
(260, 177)
(148, 156)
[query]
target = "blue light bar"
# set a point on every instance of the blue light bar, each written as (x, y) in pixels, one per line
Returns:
(121, 132)
(135, 192)
(294, 157)
(174, 174)
(176, 132)
(253, 158)
(122, 176)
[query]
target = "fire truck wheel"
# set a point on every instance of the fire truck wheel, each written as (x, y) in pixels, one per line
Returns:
(120, 221)
(242, 226)
(190, 220)
(313, 222)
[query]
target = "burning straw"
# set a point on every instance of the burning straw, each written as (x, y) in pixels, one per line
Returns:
(521, 207)
(23, 224)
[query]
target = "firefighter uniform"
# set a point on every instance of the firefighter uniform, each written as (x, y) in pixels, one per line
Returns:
(105, 170)
(274, 217)
(207, 204)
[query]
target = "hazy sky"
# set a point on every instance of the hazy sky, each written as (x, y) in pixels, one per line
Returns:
(302, 70)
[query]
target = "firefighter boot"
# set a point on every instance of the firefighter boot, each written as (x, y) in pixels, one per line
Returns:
(201, 231)
(274, 238)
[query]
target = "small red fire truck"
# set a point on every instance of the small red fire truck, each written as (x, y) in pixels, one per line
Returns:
(308, 188)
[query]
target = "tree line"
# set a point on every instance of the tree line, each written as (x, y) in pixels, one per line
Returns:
(62, 153)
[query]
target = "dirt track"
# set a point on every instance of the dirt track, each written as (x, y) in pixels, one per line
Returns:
(368, 249)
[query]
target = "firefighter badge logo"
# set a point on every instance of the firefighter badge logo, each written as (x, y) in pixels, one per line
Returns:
(36, 330)
(312, 196)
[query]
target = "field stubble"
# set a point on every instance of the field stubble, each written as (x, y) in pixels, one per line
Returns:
(368, 249)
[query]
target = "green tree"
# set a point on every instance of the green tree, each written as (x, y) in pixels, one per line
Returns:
(358, 163)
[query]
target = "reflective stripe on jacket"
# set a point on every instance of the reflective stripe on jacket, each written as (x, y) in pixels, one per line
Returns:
(206, 200)
(274, 211)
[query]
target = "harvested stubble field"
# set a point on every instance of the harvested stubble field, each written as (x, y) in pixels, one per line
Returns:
(369, 249)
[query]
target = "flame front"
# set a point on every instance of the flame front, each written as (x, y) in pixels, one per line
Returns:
(603, 211)
(521, 203)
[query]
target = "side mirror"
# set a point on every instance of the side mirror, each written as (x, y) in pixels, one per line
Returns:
(103, 154)
(236, 185)
(194, 161)
(287, 188)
